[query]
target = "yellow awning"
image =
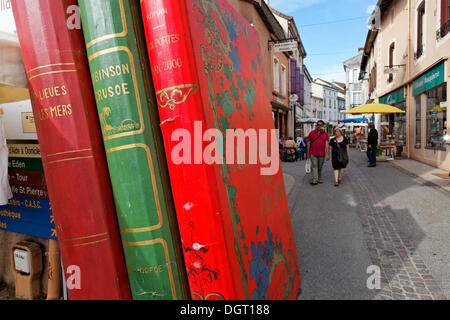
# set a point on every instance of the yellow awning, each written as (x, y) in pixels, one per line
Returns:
(377, 108)
(438, 109)
(10, 94)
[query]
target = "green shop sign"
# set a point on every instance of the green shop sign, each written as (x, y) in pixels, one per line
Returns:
(429, 80)
(394, 97)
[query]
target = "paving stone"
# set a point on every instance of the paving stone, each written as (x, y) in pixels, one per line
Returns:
(419, 284)
(397, 290)
(423, 291)
(408, 289)
(412, 296)
(396, 296)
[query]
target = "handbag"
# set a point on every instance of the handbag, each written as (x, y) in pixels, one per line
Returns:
(342, 156)
(308, 166)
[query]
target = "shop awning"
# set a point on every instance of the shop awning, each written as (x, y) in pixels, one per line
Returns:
(375, 108)
(355, 120)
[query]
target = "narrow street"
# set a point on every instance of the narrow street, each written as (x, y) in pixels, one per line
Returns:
(384, 216)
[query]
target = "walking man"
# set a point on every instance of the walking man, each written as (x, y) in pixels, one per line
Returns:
(372, 144)
(317, 149)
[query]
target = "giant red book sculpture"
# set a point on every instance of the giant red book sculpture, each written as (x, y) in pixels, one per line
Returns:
(72, 150)
(233, 214)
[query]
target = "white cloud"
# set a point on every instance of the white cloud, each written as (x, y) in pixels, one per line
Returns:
(290, 6)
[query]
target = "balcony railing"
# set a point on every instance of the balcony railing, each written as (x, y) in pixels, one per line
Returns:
(443, 31)
(418, 53)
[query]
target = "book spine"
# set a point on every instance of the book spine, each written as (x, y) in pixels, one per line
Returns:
(130, 126)
(208, 258)
(72, 150)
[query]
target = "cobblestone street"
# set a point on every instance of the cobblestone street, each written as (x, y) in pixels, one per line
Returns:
(384, 216)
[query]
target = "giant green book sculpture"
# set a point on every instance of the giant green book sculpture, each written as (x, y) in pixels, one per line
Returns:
(126, 105)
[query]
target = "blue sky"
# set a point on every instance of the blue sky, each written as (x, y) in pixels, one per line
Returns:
(329, 45)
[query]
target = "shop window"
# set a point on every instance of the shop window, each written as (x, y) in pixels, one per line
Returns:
(437, 117)
(399, 126)
(418, 134)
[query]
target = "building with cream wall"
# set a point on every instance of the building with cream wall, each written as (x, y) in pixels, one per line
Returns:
(405, 64)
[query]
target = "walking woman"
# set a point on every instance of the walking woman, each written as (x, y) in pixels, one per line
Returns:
(340, 150)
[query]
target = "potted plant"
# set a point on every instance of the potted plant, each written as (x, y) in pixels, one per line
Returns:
(380, 157)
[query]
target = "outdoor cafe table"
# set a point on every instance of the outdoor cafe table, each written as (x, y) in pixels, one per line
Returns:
(389, 149)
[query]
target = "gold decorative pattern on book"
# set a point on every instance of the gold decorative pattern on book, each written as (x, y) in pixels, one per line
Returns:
(155, 187)
(173, 96)
(65, 156)
(166, 251)
(63, 242)
(113, 35)
(52, 65)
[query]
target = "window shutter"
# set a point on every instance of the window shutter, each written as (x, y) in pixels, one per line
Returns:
(444, 11)
(293, 75)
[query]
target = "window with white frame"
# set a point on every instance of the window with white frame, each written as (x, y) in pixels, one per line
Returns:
(276, 74)
(283, 80)
(356, 98)
(355, 75)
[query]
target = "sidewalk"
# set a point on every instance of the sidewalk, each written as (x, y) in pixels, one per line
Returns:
(424, 172)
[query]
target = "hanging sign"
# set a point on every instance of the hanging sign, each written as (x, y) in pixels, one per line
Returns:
(286, 46)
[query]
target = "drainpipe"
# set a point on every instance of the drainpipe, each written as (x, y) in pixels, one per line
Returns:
(409, 96)
(54, 271)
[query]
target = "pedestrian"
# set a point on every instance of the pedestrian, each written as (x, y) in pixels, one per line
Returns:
(317, 150)
(372, 144)
(358, 136)
(289, 149)
(301, 147)
(281, 148)
(339, 144)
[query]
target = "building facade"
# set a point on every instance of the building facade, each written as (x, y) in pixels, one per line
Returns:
(354, 86)
(340, 99)
(296, 69)
(410, 70)
(330, 102)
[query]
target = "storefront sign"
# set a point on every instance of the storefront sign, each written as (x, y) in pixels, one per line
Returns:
(29, 211)
(285, 46)
(394, 97)
(429, 80)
